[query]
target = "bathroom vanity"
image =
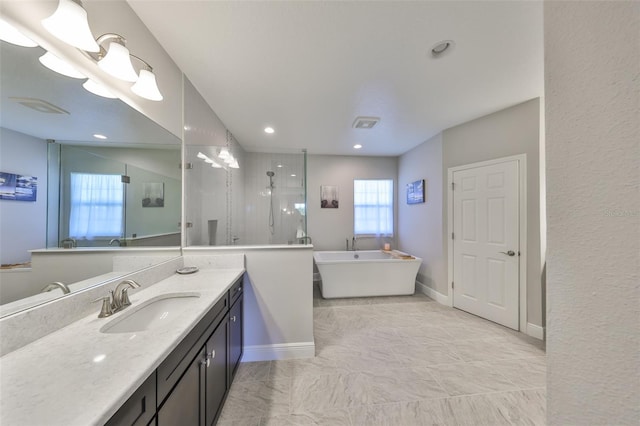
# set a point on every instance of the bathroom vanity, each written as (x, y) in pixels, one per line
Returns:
(123, 369)
(190, 385)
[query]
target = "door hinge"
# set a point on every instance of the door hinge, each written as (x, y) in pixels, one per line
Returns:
(453, 186)
(125, 179)
(453, 237)
(452, 284)
(187, 166)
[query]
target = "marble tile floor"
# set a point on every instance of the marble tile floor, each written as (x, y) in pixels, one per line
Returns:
(396, 361)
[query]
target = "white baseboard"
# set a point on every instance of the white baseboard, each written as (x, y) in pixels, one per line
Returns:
(535, 331)
(437, 296)
(279, 351)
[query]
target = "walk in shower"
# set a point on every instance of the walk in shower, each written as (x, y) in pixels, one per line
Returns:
(260, 200)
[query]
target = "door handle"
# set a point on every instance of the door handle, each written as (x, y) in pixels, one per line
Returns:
(509, 253)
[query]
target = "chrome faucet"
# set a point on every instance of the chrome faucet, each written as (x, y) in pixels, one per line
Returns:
(68, 243)
(115, 240)
(54, 285)
(353, 243)
(121, 296)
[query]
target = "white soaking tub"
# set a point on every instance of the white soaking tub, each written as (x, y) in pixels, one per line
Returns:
(365, 273)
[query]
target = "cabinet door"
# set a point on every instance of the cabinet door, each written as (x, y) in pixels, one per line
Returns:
(139, 408)
(235, 337)
(216, 372)
(182, 407)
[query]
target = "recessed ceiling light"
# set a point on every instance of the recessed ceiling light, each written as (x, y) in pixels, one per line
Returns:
(293, 175)
(441, 47)
(357, 146)
(279, 166)
(269, 130)
(99, 136)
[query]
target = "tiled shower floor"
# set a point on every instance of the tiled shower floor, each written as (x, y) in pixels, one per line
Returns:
(396, 361)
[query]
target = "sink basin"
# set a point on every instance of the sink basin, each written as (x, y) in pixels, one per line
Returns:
(152, 313)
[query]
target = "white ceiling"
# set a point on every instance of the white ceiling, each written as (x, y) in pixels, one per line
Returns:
(309, 68)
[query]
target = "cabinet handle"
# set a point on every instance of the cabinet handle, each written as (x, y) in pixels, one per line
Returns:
(233, 318)
(205, 361)
(212, 355)
(239, 289)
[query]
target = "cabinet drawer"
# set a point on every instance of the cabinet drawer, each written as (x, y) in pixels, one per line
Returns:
(139, 408)
(172, 368)
(236, 290)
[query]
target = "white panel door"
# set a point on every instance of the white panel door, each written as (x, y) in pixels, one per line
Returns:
(486, 242)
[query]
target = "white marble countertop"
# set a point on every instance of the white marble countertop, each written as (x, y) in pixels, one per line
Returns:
(80, 376)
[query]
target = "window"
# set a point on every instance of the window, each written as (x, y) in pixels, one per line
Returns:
(373, 207)
(97, 206)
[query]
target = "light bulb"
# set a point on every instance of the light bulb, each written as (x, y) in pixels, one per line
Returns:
(69, 23)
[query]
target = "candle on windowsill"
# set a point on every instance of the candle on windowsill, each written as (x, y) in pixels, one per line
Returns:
(387, 246)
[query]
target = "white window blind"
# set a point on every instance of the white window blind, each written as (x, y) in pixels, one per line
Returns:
(97, 203)
(373, 207)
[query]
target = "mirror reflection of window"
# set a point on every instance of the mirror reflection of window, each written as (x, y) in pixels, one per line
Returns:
(97, 206)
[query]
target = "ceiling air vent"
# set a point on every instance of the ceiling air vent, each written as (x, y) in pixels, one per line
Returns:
(39, 105)
(365, 122)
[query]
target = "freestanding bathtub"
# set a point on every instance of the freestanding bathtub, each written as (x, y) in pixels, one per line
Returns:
(365, 273)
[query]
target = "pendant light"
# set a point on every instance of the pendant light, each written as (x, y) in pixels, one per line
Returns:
(69, 23)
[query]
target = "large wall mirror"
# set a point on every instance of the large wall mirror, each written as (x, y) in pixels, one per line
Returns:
(64, 187)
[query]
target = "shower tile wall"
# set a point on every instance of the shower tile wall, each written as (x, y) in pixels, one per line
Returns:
(213, 194)
(288, 198)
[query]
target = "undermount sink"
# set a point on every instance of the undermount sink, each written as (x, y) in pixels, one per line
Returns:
(152, 313)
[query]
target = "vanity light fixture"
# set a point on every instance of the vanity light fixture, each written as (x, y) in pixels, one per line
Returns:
(116, 59)
(99, 136)
(357, 146)
(98, 89)
(60, 66)
(69, 23)
(12, 35)
(224, 153)
(235, 164)
(146, 86)
(269, 130)
(208, 160)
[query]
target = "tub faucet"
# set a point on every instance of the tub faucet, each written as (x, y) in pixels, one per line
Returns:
(121, 296)
(68, 243)
(305, 238)
(54, 285)
(346, 240)
(115, 240)
(353, 243)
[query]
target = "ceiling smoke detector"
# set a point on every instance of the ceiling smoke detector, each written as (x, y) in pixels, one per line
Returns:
(39, 105)
(365, 122)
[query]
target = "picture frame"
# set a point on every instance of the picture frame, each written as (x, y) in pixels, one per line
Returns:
(416, 192)
(153, 194)
(18, 187)
(329, 197)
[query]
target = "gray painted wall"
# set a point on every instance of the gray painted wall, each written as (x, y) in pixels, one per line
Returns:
(592, 80)
(330, 227)
(23, 224)
(512, 131)
(420, 225)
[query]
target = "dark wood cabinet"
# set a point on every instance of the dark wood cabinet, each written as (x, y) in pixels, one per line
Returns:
(235, 337)
(139, 408)
(216, 375)
(191, 384)
(182, 407)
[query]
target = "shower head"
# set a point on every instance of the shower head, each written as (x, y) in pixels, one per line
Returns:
(270, 173)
